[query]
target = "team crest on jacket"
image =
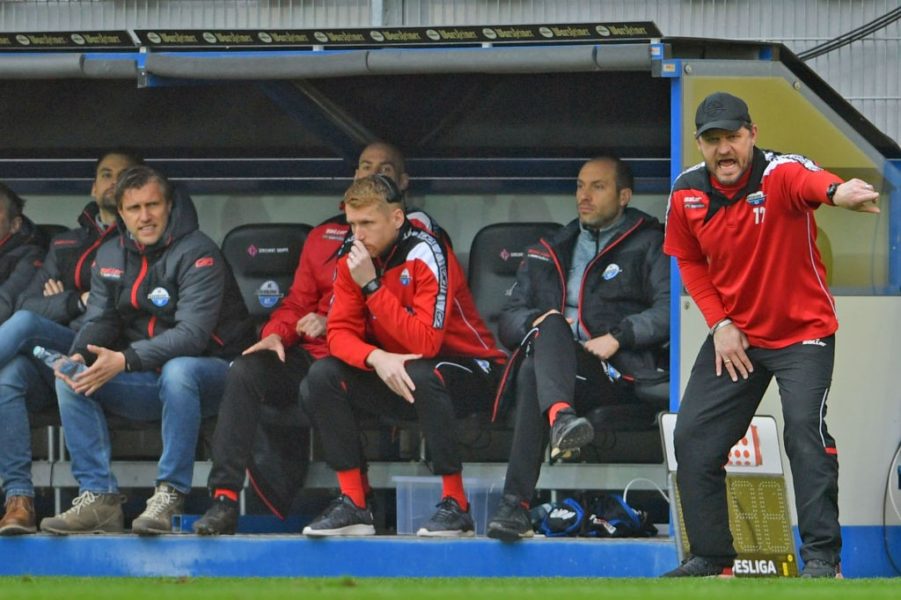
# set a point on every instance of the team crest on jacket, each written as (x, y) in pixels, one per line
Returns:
(611, 271)
(405, 277)
(756, 199)
(159, 296)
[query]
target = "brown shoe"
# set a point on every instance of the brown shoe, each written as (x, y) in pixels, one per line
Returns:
(19, 517)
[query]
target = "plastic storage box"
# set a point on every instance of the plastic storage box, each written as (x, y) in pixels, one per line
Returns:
(417, 498)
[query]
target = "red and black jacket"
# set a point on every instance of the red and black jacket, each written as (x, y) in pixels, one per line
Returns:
(423, 306)
(69, 260)
(625, 292)
(311, 290)
(748, 251)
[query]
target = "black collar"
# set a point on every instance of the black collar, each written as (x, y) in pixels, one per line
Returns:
(719, 200)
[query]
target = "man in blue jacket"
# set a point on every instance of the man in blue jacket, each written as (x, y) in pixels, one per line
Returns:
(588, 314)
(164, 318)
(49, 313)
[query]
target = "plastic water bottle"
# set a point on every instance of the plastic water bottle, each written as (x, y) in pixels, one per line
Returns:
(612, 373)
(67, 367)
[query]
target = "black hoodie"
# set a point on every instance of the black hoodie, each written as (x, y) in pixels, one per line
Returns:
(177, 297)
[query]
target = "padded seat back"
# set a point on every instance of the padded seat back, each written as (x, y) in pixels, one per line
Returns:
(263, 258)
(49, 230)
(494, 258)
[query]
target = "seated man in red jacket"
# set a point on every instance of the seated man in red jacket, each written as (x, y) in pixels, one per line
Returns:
(405, 340)
(270, 371)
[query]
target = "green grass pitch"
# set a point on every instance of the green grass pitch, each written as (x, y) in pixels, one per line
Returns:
(75, 588)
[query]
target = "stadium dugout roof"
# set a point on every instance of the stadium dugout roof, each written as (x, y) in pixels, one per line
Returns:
(512, 109)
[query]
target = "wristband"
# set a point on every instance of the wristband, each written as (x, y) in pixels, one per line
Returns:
(720, 324)
(371, 287)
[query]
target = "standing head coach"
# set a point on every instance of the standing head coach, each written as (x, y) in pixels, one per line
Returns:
(742, 229)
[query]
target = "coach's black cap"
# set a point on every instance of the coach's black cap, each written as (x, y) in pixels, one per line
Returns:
(721, 111)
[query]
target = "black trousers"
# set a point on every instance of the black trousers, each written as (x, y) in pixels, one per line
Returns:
(715, 414)
(557, 369)
(335, 393)
(253, 380)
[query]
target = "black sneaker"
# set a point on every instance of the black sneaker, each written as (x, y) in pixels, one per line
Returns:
(220, 519)
(511, 522)
(448, 521)
(821, 568)
(698, 566)
(569, 433)
(341, 517)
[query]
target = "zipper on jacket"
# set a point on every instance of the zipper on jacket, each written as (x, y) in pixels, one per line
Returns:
(140, 279)
(87, 252)
(559, 272)
(591, 264)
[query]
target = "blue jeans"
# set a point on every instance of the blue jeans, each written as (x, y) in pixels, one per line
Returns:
(26, 384)
(188, 389)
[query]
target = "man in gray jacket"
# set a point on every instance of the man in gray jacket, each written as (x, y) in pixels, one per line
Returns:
(588, 314)
(164, 318)
(49, 312)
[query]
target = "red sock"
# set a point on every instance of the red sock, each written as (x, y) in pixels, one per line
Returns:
(367, 488)
(453, 487)
(554, 409)
(231, 495)
(351, 484)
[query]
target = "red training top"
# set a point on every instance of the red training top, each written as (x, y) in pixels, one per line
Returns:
(748, 251)
(423, 307)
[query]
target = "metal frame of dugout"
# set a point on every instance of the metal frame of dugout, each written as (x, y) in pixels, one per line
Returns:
(302, 84)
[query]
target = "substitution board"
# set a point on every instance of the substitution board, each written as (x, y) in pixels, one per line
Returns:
(758, 504)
